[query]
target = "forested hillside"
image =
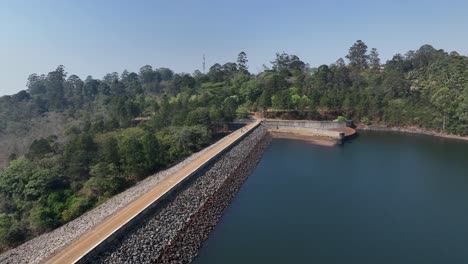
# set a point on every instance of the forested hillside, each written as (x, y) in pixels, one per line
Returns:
(72, 143)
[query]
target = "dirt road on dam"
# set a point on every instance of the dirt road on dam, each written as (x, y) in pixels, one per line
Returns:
(88, 241)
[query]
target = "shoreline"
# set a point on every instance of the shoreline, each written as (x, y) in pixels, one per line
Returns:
(309, 138)
(411, 130)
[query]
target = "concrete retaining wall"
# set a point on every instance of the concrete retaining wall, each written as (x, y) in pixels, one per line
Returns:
(318, 128)
(306, 124)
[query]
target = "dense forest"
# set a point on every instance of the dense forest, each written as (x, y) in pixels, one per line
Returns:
(119, 129)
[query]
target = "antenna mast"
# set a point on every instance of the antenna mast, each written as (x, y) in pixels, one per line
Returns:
(203, 63)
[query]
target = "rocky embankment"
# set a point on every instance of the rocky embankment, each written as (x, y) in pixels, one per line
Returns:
(174, 231)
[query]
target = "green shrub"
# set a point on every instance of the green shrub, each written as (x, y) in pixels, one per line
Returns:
(44, 219)
(342, 119)
(77, 205)
(365, 120)
(242, 112)
(9, 231)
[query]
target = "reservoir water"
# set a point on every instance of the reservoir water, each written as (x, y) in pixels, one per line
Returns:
(381, 198)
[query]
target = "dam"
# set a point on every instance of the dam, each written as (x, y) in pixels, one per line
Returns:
(169, 217)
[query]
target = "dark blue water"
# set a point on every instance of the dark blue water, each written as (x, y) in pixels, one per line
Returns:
(382, 198)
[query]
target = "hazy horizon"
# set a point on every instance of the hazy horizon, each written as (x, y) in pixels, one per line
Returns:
(95, 38)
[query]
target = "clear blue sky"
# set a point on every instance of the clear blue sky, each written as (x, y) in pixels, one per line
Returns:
(91, 37)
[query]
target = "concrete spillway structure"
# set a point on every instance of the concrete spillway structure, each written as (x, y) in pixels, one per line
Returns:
(330, 129)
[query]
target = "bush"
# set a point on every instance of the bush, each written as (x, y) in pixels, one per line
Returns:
(9, 231)
(199, 116)
(183, 140)
(342, 119)
(105, 181)
(44, 219)
(242, 112)
(365, 120)
(77, 205)
(132, 156)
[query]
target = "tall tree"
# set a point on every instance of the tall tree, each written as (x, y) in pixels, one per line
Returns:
(216, 73)
(55, 88)
(286, 62)
(374, 59)
(357, 55)
(36, 84)
(74, 91)
(340, 63)
(165, 74)
(147, 74)
(442, 99)
(242, 63)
